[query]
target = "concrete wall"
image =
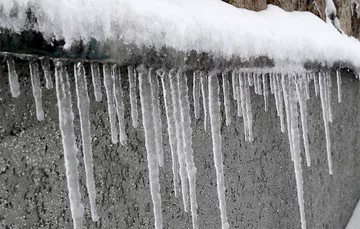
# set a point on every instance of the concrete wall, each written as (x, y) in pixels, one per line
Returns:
(260, 181)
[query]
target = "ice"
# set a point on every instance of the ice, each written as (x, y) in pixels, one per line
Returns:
(255, 77)
(296, 146)
(316, 83)
(279, 100)
(174, 86)
(265, 90)
(301, 93)
(272, 83)
(119, 105)
(234, 82)
(170, 116)
(204, 92)
(239, 101)
(284, 86)
(248, 113)
(150, 142)
(251, 79)
(196, 94)
(328, 95)
(36, 89)
(226, 94)
(13, 78)
(214, 107)
(187, 138)
(133, 98)
(45, 64)
(324, 106)
(66, 118)
(154, 82)
(307, 80)
(338, 80)
(242, 98)
(83, 104)
(109, 85)
(258, 81)
(95, 75)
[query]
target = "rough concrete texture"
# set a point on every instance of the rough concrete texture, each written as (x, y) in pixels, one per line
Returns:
(260, 181)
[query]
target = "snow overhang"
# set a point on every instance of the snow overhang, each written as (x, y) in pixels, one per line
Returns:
(172, 33)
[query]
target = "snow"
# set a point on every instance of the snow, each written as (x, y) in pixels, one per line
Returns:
(36, 88)
(13, 78)
(108, 83)
(95, 76)
(295, 37)
(66, 117)
(133, 98)
(354, 221)
(45, 65)
(214, 107)
(150, 142)
(83, 104)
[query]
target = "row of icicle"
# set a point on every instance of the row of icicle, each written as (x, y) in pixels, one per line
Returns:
(290, 90)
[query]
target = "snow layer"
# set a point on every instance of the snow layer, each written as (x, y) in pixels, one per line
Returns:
(203, 25)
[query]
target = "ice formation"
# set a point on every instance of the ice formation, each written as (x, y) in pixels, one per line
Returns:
(13, 78)
(36, 88)
(132, 94)
(95, 75)
(45, 65)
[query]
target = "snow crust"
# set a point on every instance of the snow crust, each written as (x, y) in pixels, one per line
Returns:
(204, 25)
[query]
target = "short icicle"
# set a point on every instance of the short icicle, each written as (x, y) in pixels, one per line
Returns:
(45, 65)
(295, 135)
(259, 82)
(119, 104)
(328, 95)
(66, 118)
(95, 76)
(338, 80)
(154, 82)
(280, 102)
(226, 94)
(271, 79)
(249, 115)
(316, 83)
(234, 82)
(265, 91)
(239, 101)
(306, 86)
(174, 86)
(13, 78)
(324, 104)
(150, 143)
(108, 83)
(214, 106)
(204, 92)
(132, 95)
(285, 85)
(196, 93)
(187, 138)
(242, 98)
(36, 89)
(83, 104)
(170, 117)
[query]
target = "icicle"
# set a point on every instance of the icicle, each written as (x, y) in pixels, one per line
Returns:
(95, 75)
(225, 87)
(83, 103)
(66, 117)
(187, 138)
(271, 83)
(338, 77)
(150, 143)
(250, 79)
(307, 79)
(234, 83)
(328, 95)
(255, 77)
(296, 146)
(276, 93)
(13, 78)
(196, 94)
(248, 110)
(259, 77)
(284, 85)
(239, 106)
(324, 104)
(242, 78)
(179, 137)
(214, 105)
(170, 116)
(157, 116)
(108, 83)
(45, 65)
(133, 99)
(266, 92)
(118, 97)
(277, 80)
(301, 93)
(316, 84)
(36, 89)
(204, 92)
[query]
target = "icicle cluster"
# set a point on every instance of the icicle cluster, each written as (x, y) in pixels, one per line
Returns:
(290, 90)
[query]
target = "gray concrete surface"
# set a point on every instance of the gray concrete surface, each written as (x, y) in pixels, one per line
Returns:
(260, 182)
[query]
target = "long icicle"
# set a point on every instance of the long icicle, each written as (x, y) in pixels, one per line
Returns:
(325, 118)
(108, 83)
(95, 76)
(204, 92)
(154, 82)
(226, 94)
(66, 118)
(132, 95)
(280, 102)
(83, 104)
(36, 89)
(196, 94)
(242, 98)
(248, 111)
(170, 117)
(214, 105)
(296, 145)
(45, 65)
(118, 96)
(338, 80)
(187, 137)
(150, 143)
(180, 144)
(13, 78)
